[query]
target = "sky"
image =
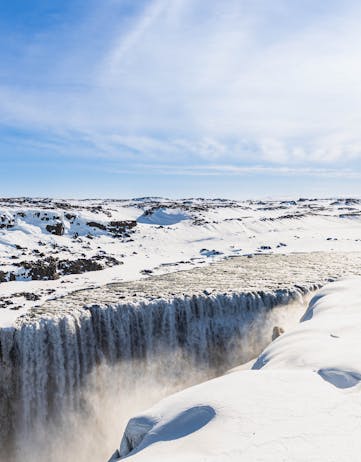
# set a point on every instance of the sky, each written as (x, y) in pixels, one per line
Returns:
(180, 98)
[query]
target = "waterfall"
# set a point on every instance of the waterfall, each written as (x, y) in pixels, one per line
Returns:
(45, 359)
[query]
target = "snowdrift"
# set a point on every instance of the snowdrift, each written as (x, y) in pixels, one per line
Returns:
(300, 401)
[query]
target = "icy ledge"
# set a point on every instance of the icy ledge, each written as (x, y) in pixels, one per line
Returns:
(301, 400)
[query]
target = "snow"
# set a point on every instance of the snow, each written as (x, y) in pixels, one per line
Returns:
(164, 217)
(328, 336)
(300, 401)
(170, 235)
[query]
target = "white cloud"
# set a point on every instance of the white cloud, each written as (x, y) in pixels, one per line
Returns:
(232, 170)
(234, 80)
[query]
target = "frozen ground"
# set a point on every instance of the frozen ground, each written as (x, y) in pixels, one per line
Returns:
(49, 248)
(300, 400)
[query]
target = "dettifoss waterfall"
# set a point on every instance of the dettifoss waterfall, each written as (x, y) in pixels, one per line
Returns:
(69, 381)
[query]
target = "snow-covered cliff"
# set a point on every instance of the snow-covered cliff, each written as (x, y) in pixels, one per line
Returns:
(45, 359)
(300, 401)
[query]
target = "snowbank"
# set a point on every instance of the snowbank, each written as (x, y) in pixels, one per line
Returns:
(299, 402)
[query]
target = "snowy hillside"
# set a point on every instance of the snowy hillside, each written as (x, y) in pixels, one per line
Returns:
(299, 401)
(49, 248)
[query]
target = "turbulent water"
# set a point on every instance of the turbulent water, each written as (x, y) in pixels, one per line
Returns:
(67, 382)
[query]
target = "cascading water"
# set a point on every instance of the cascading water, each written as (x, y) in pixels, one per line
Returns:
(47, 361)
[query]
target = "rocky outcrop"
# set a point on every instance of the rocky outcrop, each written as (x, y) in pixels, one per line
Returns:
(51, 268)
(42, 269)
(277, 331)
(94, 224)
(83, 265)
(57, 229)
(6, 221)
(117, 228)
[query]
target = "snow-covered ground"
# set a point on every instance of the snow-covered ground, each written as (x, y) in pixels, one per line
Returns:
(300, 400)
(57, 258)
(49, 248)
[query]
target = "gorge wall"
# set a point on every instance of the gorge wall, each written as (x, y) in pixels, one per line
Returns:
(45, 360)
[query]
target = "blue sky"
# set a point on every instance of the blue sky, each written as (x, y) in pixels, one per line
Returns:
(232, 98)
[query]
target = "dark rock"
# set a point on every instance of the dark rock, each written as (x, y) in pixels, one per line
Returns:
(118, 228)
(277, 332)
(6, 222)
(82, 265)
(94, 224)
(44, 269)
(3, 276)
(57, 229)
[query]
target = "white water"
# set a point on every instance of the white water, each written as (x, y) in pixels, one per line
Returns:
(72, 382)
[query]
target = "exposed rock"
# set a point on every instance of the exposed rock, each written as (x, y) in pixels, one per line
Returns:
(94, 224)
(277, 331)
(3, 276)
(44, 269)
(6, 221)
(118, 228)
(82, 265)
(57, 229)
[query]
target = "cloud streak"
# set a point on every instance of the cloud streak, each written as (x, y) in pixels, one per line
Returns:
(237, 171)
(237, 82)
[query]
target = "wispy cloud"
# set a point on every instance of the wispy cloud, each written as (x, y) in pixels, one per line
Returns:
(232, 170)
(193, 81)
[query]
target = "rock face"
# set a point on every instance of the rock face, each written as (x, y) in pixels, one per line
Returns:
(57, 229)
(277, 331)
(46, 359)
